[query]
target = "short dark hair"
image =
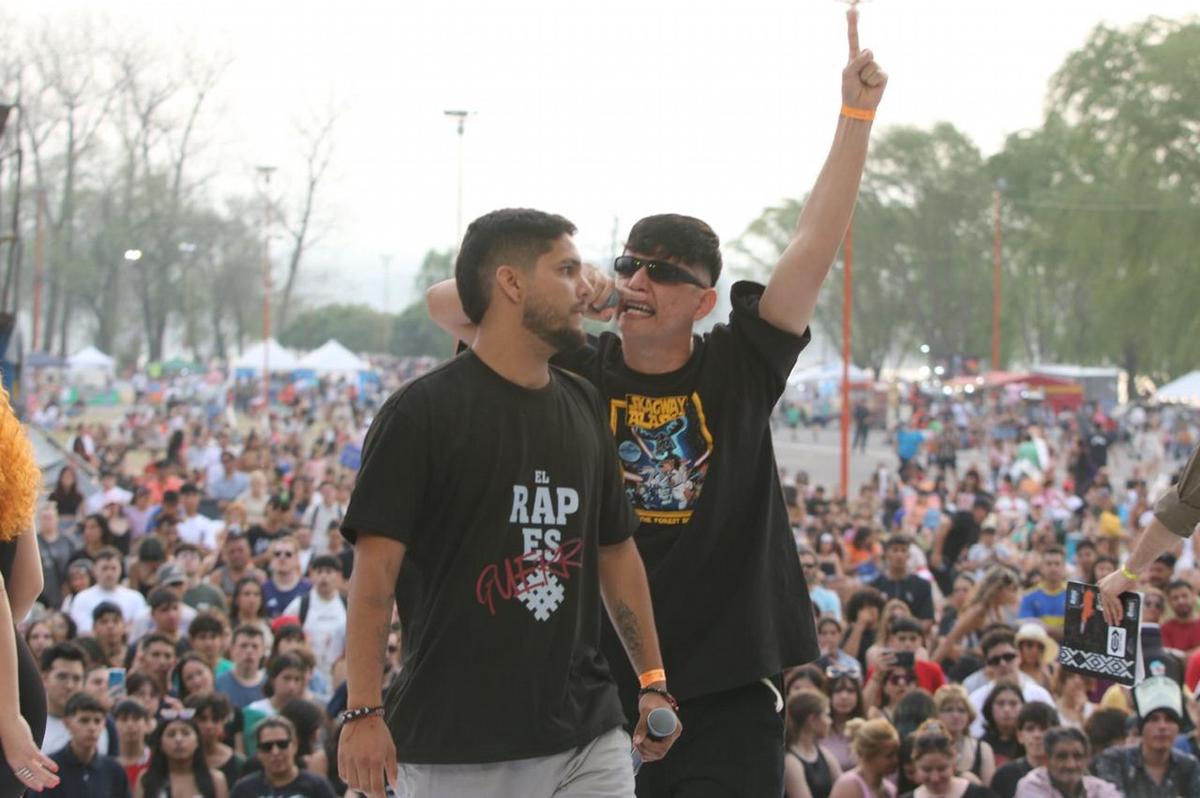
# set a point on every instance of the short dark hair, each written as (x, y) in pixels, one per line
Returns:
(106, 608)
(248, 630)
(1055, 550)
(982, 503)
(274, 722)
(162, 597)
(137, 680)
(128, 708)
(994, 638)
(277, 665)
(1086, 543)
(207, 623)
(1105, 728)
(155, 637)
(866, 597)
(672, 235)
(1167, 559)
(216, 704)
(107, 553)
(1063, 734)
(895, 541)
(1038, 713)
(83, 702)
(1175, 584)
(516, 236)
(64, 650)
(910, 625)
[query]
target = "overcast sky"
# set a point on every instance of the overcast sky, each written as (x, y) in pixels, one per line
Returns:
(603, 112)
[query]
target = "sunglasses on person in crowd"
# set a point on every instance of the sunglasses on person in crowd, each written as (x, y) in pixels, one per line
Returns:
(274, 745)
(659, 271)
(899, 679)
(996, 660)
(177, 714)
(837, 673)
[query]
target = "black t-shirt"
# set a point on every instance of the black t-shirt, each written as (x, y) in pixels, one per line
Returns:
(306, 785)
(260, 538)
(1004, 782)
(730, 601)
(912, 590)
(963, 533)
(502, 496)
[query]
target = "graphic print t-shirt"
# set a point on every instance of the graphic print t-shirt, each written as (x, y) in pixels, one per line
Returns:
(502, 496)
(730, 601)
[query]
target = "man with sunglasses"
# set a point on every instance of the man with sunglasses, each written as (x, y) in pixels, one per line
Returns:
(691, 420)
(1001, 661)
(275, 739)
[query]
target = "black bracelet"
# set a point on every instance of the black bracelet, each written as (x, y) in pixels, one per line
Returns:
(348, 715)
(662, 692)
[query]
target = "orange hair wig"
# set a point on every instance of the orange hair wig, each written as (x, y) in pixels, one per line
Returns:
(20, 477)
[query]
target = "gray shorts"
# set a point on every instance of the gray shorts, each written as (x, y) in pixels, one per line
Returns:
(601, 769)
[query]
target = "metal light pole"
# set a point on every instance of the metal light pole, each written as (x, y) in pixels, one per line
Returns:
(997, 191)
(39, 264)
(265, 173)
(461, 116)
(847, 311)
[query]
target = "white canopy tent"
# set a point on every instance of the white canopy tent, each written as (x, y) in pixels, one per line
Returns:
(333, 358)
(91, 359)
(279, 359)
(1185, 390)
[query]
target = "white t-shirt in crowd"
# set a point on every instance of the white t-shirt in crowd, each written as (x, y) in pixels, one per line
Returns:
(200, 531)
(132, 604)
(325, 627)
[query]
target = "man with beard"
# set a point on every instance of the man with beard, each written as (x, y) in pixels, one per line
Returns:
(494, 476)
(722, 564)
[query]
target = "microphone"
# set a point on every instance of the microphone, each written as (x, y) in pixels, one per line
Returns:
(661, 723)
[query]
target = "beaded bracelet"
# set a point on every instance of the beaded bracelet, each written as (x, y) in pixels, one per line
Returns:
(346, 716)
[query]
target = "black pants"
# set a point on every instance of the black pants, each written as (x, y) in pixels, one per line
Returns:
(731, 747)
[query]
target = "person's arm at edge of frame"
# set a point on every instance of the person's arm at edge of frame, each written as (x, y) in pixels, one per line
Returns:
(626, 595)
(366, 753)
(791, 294)
(1175, 516)
(20, 749)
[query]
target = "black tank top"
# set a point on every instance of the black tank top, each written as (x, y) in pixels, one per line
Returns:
(817, 774)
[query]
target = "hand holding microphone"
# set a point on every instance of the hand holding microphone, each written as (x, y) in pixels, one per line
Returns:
(658, 727)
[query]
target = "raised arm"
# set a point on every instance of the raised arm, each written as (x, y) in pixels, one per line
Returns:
(366, 754)
(791, 294)
(627, 598)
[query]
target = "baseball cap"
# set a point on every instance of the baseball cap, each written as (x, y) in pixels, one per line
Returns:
(1158, 693)
(170, 574)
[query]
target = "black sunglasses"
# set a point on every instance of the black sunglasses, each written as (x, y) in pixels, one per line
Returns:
(996, 660)
(659, 271)
(274, 745)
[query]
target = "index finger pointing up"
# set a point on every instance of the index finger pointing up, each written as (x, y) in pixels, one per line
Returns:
(852, 30)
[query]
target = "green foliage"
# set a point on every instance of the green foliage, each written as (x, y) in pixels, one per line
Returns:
(1101, 222)
(364, 329)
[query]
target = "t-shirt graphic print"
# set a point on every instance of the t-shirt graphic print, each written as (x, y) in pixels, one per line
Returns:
(535, 577)
(664, 445)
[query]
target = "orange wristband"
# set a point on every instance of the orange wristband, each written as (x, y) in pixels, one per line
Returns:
(858, 113)
(650, 677)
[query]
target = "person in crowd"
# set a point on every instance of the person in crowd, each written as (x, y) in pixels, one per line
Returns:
(974, 757)
(896, 582)
(1036, 653)
(213, 713)
(912, 710)
(55, 548)
(1152, 767)
(108, 589)
(254, 500)
(309, 721)
(322, 612)
(1000, 712)
(1001, 663)
(989, 605)
(63, 667)
(830, 557)
(275, 745)
(1071, 698)
(934, 759)
(1085, 561)
(1182, 630)
(39, 636)
(245, 682)
(94, 536)
(892, 683)
(110, 632)
(830, 634)
(1047, 603)
(143, 568)
(192, 675)
(876, 746)
(1065, 773)
(237, 564)
(82, 769)
(1034, 719)
(1106, 728)
(826, 601)
(66, 496)
(810, 769)
(197, 592)
(845, 704)
(904, 644)
(248, 607)
(141, 688)
(287, 581)
(156, 659)
(134, 725)
(989, 551)
(230, 484)
(285, 681)
(956, 534)
(206, 636)
(195, 527)
(178, 765)
(863, 612)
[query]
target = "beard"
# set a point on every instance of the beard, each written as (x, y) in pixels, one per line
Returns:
(552, 326)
